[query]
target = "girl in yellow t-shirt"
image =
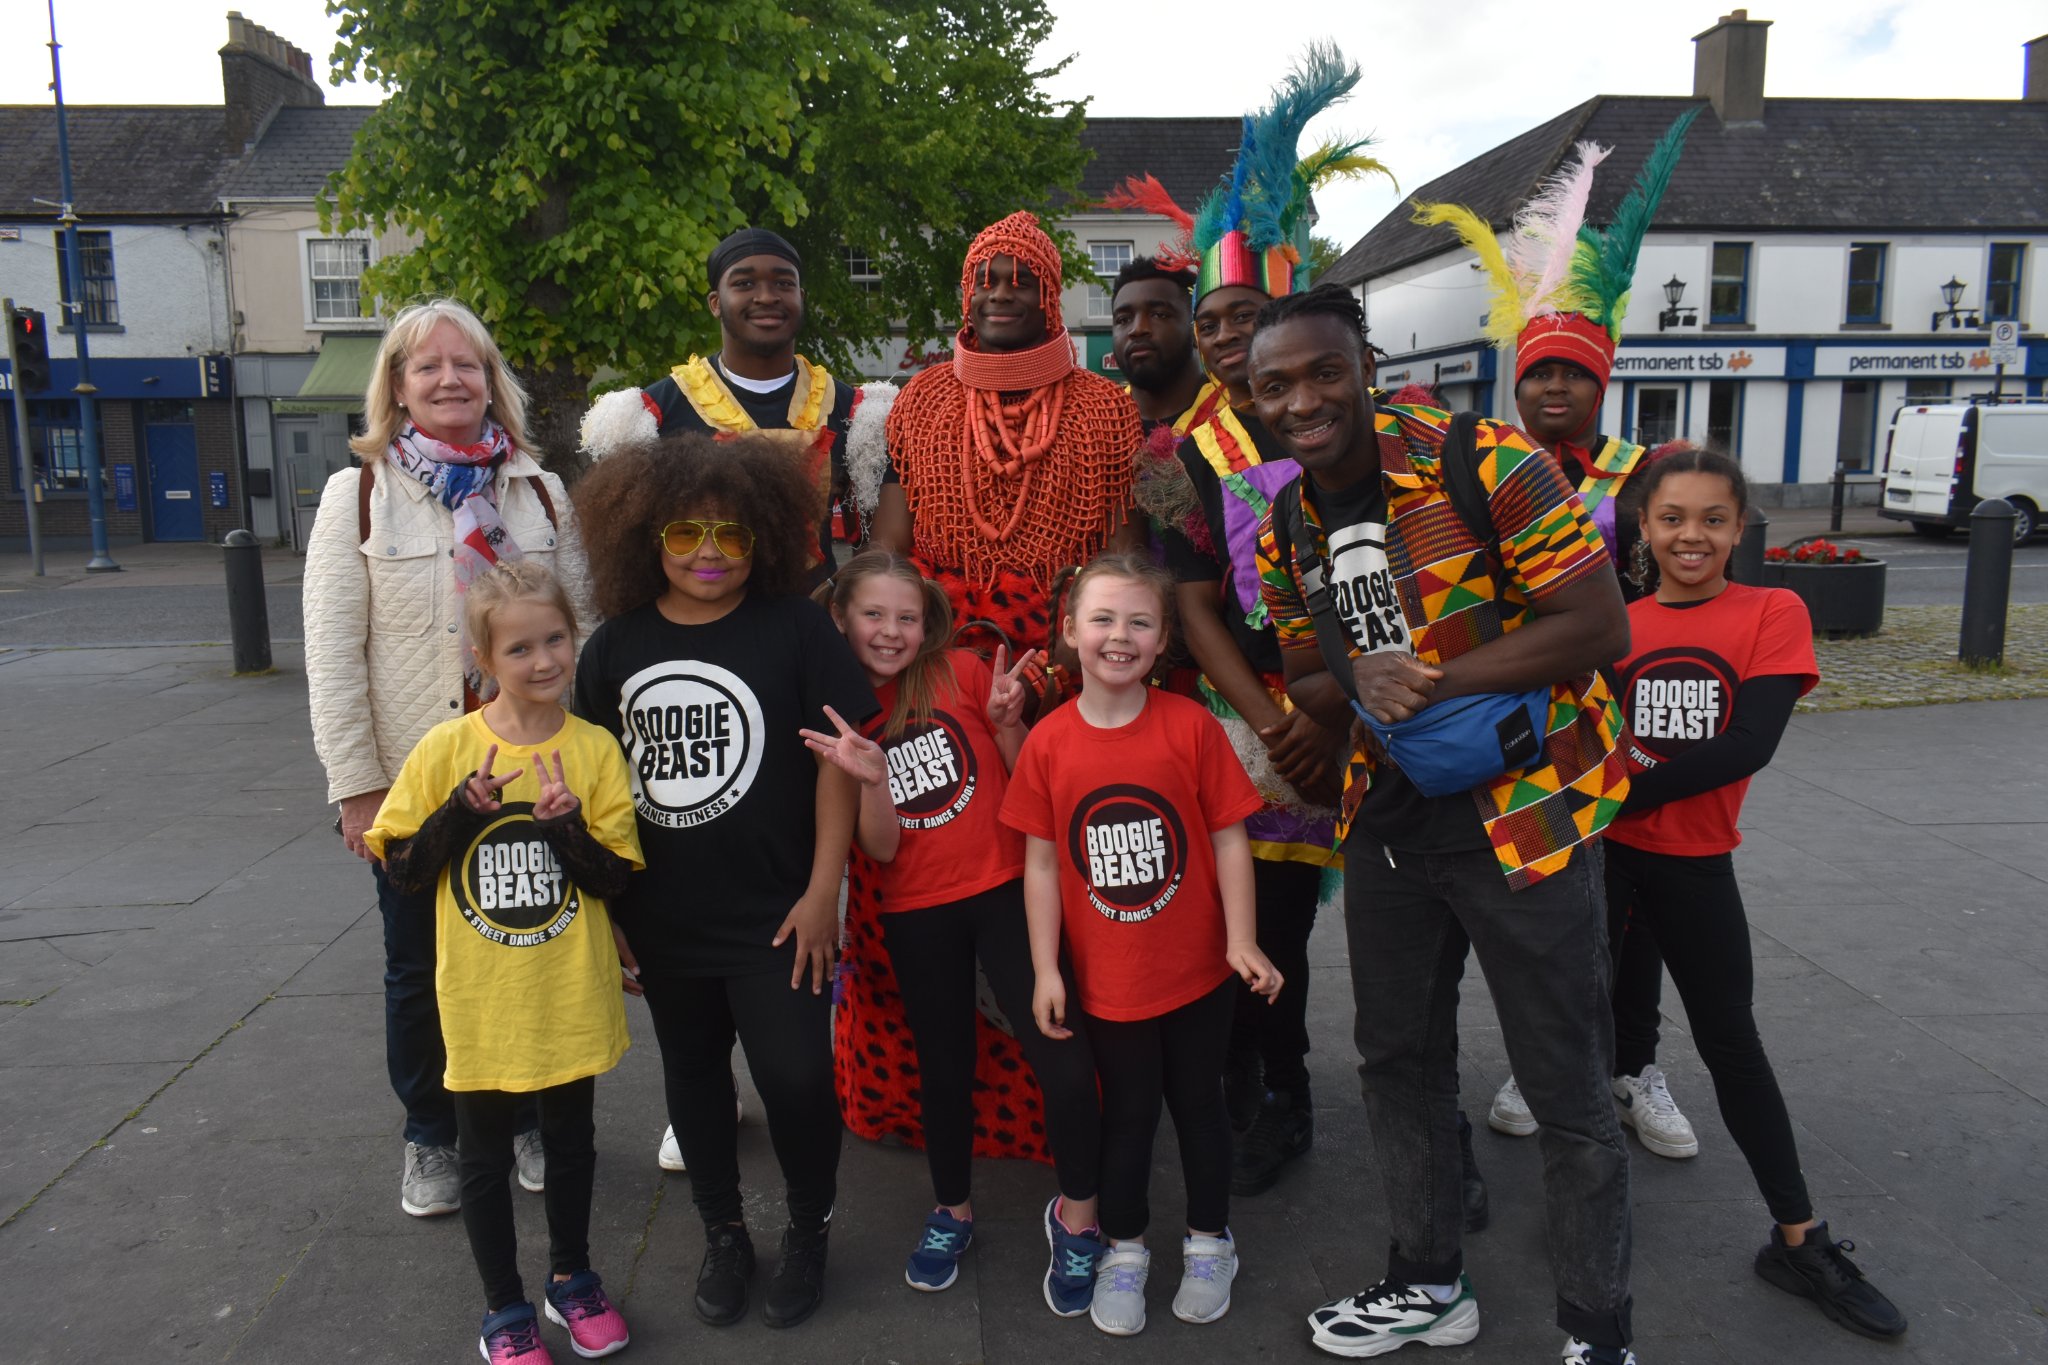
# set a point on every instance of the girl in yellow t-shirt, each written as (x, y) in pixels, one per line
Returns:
(527, 966)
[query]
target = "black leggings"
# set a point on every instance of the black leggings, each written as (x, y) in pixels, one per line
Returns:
(485, 1121)
(788, 1037)
(934, 951)
(1178, 1057)
(1693, 909)
(1638, 995)
(1277, 1030)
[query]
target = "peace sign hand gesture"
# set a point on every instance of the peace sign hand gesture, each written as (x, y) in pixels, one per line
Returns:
(480, 790)
(849, 749)
(1008, 694)
(556, 800)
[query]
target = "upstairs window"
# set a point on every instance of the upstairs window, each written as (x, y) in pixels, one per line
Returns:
(1107, 258)
(2002, 286)
(1866, 282)
(96, 268)
(1728, 296)
(334, 267)
(864, 270)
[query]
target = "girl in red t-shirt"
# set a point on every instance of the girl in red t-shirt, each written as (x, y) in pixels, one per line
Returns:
(1133, 803)
(943, 883)
(1707, 688)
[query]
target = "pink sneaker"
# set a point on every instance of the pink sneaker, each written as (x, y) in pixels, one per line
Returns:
(511, 1336)
(579, 1304)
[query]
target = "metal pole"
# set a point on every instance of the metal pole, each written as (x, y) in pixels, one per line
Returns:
(1998, 394)
(28, 470)
(248, 612)
(88, 404)
(1746, 565)
(1987, 583)
(1841, 482)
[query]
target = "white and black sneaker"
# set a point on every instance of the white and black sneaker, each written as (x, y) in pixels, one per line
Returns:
(1391, 1315)
(1577, 1352)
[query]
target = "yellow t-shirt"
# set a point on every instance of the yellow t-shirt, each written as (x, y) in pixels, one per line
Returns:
(525, 966)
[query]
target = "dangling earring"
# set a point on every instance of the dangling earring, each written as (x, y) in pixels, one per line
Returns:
(1639, 565)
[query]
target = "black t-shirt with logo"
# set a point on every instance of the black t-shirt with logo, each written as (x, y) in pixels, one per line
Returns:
(723, 786)
(1362, 589)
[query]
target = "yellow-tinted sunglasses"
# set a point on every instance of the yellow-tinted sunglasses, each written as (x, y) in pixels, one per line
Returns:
(681, 538)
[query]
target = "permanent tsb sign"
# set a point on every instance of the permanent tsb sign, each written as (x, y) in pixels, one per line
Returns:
(1903, 362)
(1700, 362)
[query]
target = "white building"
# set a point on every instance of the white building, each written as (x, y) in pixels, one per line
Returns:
(1784, 302)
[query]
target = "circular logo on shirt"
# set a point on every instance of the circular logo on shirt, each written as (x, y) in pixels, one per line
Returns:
(509, 886)
(1674, 699)
(931, 772)
(1132, 851)
(693, 734)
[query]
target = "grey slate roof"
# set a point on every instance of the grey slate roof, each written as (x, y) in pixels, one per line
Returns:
(1189, 155)
(1812, 165)
(298, 151)
(133, 159)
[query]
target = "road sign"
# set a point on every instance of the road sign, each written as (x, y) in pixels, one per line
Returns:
(2005, 344)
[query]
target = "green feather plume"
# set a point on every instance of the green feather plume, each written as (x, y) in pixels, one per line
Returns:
(1604, 263)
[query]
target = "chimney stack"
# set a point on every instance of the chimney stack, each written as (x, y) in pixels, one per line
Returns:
(2034, 88)
(261, 73)
(1728, 67)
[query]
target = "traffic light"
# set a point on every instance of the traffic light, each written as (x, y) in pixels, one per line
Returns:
(31, 345)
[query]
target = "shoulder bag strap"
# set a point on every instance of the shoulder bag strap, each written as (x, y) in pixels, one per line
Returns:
(1310, 573)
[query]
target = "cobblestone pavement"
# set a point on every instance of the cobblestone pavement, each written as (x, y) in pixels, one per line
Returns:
(1912, 661)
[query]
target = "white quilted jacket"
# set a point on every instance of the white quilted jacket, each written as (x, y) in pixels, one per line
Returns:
(382, 659)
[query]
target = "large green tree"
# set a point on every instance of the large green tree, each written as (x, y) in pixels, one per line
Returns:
(566, 166)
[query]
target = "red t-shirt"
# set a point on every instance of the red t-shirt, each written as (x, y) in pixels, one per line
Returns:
(947, 780)
(1130, 812)
(1678, 688)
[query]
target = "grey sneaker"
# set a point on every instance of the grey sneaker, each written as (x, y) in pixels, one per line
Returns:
(1118, 1307)
(532, 1161)
(433, 1181)
(1209, 1265)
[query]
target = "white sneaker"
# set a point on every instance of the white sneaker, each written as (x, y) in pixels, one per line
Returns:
(1209, 1264)
(1577, 1352)
(1118, 1307)
(1646, 1106)
(1510, 1114)
(670, 1157)
(1390, 1315)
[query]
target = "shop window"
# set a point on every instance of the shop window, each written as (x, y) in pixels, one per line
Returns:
(1107, 258)
(1866, 282)
(334, 270)
(96, 268)
(1924, 390)
(56, 445)
(1855, 436)
(1724, 413)
(1728, 296)
(2002, 287)
(1656, 415)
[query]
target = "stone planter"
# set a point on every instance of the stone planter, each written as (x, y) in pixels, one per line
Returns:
(1843, 599)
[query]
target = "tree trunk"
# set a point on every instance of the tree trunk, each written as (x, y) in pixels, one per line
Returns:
(556, 399)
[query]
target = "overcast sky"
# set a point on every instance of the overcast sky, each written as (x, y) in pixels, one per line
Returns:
(1200, 57)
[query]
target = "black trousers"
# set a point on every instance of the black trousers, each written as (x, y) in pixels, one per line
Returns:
(934, 951)
(485, 1122)
(1176, 1057)
(1638, 995)
(788, 1037)
(1693, 909)
(1278, 1030)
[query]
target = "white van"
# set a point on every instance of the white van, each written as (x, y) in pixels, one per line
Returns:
(1941, 459)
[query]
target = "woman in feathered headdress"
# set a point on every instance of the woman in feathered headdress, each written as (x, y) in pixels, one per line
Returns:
(1560, 292)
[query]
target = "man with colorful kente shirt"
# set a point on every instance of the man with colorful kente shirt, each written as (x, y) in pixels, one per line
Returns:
(1438, 599)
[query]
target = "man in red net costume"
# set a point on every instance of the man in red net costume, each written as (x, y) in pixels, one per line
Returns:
(1004, 468)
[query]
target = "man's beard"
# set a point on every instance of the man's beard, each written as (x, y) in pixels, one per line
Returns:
(1159, 375)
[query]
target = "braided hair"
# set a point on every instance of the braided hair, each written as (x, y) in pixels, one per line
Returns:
(1323, 301)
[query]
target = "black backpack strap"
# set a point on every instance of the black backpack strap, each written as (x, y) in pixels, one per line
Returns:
(1313, 577)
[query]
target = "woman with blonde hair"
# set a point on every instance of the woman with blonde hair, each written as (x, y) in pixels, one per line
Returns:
(447, 488)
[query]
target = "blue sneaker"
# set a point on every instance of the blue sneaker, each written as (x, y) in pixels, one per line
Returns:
(1070, 1279)
(936, 1262)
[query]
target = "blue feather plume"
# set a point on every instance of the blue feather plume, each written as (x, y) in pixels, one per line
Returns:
(1319, 80)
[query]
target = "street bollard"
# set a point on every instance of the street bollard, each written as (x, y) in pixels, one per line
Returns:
(1835, 498)
(1987, 583)
(248, 613)
(1746, 565)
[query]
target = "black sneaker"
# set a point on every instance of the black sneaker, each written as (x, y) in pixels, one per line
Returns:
(1474, 1184)
(1244, 1087)
(1819, 1269)
(798, 1285)
(722, 1279)
(1284, 1130)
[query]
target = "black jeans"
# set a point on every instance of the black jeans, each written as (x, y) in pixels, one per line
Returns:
(487, 1121)
(1693, 909)
(1277, 1030)
(1638, 995)
(933, 952)
(1177, 1057)
(413, 1051)
(788, 1037)
(1544, 951)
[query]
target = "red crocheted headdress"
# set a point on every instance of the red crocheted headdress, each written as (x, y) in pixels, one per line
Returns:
(1566, 336)
(1020, 237)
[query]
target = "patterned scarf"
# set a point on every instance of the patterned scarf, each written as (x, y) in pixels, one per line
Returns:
(461, 478)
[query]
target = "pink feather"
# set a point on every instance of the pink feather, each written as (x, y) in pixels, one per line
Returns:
(1546, 230)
